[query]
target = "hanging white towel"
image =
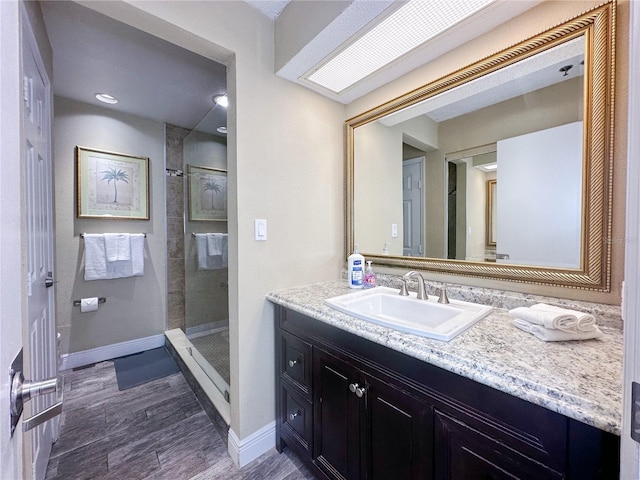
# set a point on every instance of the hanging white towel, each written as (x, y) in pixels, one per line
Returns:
(218, 242)
(134, 267)
(117, 246)
(95, 259)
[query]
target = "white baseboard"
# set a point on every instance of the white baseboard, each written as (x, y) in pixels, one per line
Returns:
(245, 451)
(100, 354)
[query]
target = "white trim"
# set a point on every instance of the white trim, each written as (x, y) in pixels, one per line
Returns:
(629, 468)
(245, 451)
(100, 354)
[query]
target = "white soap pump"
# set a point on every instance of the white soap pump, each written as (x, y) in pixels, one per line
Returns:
(356, 269)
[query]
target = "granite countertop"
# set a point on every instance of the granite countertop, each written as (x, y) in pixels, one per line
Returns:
(580, 379)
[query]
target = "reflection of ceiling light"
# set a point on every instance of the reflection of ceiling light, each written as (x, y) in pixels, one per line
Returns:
(407, 28)
(221, 100)
(106, 98)
(488, 167)
(222, 130)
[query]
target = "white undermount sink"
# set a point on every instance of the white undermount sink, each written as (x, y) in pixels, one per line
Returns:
(428, 318)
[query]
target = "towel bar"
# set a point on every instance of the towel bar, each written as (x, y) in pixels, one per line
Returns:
(76, 303)
(83, 234)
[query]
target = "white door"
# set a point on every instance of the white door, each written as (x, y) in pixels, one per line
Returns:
(11, 289)
(40, 349)
(412, 207)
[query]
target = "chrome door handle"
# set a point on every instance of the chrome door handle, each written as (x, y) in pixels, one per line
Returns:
(22, 391)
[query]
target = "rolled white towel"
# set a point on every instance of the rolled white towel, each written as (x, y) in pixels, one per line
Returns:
(554, 335)
(584, 320)
(547, 319)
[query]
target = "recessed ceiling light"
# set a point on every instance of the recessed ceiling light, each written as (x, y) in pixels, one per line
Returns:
(221, 100)
(488, 167)
(106, 98)
(222, 130)
(407, 28)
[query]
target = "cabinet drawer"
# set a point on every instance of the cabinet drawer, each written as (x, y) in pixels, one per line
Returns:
(297, 416)
(296, 362)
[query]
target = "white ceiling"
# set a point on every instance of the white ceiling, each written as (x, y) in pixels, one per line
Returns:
(152, 78)
(155, 79)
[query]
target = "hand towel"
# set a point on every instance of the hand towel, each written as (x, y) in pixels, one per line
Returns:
(546, 318)
(95, 259)
(214, 244)
(134, 267)
(584, 320)
(554, 335)
(207, 261)
(117, 246)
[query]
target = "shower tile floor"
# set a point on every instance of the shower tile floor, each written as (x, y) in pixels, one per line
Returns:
(157, 430)
(214, 347)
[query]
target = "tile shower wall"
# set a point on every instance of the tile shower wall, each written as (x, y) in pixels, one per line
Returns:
(174, 137)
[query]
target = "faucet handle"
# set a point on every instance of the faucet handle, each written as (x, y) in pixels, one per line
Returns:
(443, 298)
(403, 289)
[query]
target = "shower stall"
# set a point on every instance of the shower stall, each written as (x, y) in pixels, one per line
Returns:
(197, 262)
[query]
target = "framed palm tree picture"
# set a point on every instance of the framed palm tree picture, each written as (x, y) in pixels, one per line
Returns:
(207, 193)
(111, 185)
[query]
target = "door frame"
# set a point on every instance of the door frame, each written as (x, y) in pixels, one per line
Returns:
(630, 456)
(12, 252)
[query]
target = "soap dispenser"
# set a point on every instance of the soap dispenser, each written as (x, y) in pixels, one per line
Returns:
(369, 276)
(356, 269)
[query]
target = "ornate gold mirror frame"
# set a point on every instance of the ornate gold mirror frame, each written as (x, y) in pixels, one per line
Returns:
(598, 27)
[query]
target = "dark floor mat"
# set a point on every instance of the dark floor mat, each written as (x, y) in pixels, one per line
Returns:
(143, 367)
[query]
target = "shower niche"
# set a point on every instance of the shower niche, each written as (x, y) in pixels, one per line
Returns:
(198, 304)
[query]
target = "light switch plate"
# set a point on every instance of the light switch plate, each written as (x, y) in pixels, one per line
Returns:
(394, 230)
(260, 225)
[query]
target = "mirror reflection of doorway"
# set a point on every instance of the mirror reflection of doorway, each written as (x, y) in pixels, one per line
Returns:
(413, 207)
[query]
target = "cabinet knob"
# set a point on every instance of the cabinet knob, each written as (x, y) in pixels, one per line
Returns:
(357, 389)
(293, 363)
(292, 416)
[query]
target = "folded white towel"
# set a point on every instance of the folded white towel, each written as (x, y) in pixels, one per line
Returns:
(117, 246)
(554, 335)
(584, 320)
(95, 260)
(546, 318)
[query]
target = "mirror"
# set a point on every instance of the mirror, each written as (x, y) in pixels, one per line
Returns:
(536, 118)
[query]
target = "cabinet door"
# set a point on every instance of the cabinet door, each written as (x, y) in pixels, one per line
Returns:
(467, 454)
(336, 417)
(399, 432)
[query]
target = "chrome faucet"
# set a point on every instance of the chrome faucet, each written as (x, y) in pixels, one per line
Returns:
(421, 294)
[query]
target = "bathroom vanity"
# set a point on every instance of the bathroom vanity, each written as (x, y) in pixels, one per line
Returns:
(358, 400)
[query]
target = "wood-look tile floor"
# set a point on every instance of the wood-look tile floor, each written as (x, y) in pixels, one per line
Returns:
(153, 431)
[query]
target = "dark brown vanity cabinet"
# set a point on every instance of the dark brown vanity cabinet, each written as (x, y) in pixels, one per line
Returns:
(354, 409)
(365, 427)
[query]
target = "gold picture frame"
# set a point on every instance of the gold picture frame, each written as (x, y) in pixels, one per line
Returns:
(111, 185)
(207, 194)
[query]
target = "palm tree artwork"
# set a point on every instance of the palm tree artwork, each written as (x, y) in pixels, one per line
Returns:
(210, 185)
(115, 175)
